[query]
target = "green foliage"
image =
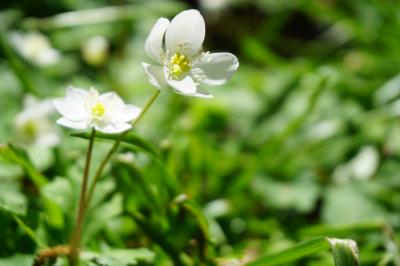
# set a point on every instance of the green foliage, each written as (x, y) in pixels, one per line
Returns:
(12, 201)
(345, 252)
(22, 260)
(119, 257)
(301, 144)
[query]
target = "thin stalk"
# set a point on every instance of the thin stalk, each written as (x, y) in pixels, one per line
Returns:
(76, 235)
(115, 147)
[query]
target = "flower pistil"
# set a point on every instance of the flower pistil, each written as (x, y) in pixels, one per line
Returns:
(179, 64)
(98, 110)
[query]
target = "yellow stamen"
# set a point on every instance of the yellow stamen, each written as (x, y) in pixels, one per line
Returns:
(98, 110)
(31, 129)
(179, 64)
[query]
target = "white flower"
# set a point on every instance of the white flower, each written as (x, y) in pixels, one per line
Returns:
(82, 109)
(213, 6)
(177, 48)
(35, 47)
(33, 124)
(95, 50)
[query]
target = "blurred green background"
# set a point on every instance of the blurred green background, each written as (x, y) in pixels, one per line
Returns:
(302, 142)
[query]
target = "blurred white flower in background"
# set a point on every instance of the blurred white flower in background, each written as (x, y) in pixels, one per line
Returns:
(362, 167)
(365, 163)
(33, 124)
(35, 48)
(176, 47)
(213, 7)
(95, 50)
(85, 109)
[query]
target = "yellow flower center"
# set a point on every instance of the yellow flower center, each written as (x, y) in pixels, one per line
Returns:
(98, 110)
(178, 65)
(31, 129)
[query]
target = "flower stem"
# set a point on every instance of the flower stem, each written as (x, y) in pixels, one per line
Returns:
(76, 235)
(146, 107)
(115, 147)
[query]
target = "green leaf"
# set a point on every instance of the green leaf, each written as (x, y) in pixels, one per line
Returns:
(12, 201)
(341, 230)
(8, 17)
(349, 204)
(17, 260)
(155, 232)
(130, 138)
(19, 156)
(99, 217)
(57, 197)
(29, 232)
(120, 257)
(60, 191)
(344, 252)
(195, 210)
(300, 195)
(301, 250)
(149, 191)
(134, 141)
(388, 91)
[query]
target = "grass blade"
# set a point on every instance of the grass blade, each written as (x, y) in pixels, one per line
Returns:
(345, 252)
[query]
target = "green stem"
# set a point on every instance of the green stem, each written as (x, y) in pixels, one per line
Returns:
(146, 107)
(116, 145)
(76, 235)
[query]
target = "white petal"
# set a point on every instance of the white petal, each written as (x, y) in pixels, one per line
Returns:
(72, 124)
(188, 29)
(114, 128)
(216, 68)
(155, 75)
(72, 106)
(48, 57)
(112, 102)
(127, 114)
(201, 93)
(49, 140)
(154, 42)
(186, 86)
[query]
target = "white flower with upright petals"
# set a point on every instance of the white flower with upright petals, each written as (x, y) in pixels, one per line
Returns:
(182, 65)
(35, 47)
(82, 109)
